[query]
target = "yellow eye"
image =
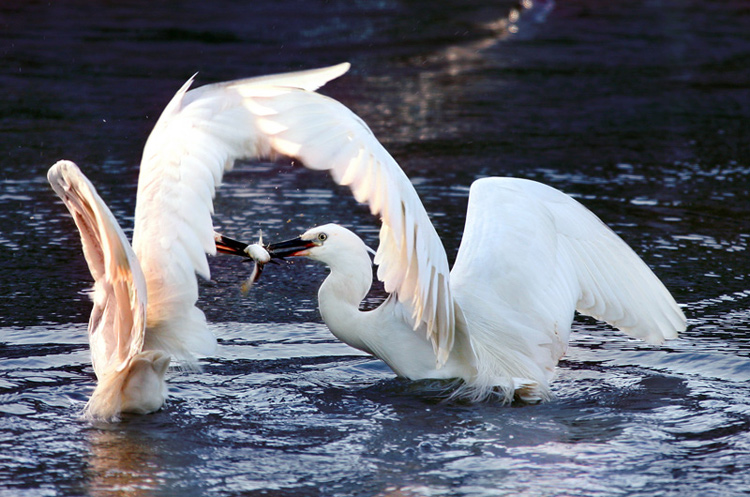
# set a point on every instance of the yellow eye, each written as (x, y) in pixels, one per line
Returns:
(322, 237)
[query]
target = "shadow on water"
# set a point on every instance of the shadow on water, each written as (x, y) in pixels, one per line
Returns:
(637, 109)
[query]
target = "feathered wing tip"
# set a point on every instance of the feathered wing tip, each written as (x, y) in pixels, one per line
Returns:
(139, 388)
(309, 79)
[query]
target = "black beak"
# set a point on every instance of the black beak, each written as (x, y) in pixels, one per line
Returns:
(289, 248)
(227, 245)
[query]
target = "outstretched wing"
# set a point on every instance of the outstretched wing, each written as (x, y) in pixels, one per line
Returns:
(118, 320)
(326, 135)
(200, 135)
(534, 255)
(197, 138)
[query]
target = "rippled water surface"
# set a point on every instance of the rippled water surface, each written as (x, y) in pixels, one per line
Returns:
(639, 109)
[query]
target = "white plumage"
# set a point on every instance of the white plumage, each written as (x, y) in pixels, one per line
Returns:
(198, 137)
(130, 378)
(144, 298)
(530, 257)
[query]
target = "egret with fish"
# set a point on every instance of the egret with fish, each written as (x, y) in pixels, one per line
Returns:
(529, 258)
(144, 300)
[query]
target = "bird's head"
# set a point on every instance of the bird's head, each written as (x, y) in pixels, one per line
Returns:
(324, 243)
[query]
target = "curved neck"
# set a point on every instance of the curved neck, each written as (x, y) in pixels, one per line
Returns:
(340, 295)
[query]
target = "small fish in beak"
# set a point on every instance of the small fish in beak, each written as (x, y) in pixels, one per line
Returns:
(255, 251)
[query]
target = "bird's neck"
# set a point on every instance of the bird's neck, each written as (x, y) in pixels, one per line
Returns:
(340, 295)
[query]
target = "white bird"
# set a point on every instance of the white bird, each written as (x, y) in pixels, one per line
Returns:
(529, 258)
(500, 320)
(144, 297)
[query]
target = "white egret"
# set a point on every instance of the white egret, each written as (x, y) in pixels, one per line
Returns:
(144, 297)
(529, 258)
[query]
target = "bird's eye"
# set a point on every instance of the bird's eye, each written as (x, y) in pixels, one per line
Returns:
(322, 237)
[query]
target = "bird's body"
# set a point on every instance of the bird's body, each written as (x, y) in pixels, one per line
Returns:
(386, 331)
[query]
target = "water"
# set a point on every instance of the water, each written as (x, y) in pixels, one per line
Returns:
(639, 109)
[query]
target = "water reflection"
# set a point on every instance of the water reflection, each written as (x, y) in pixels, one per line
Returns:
(429, 97)
(124, 462)
(520, 21)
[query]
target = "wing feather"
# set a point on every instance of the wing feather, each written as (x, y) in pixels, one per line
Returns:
(118, 319)
(196, 140)
(325, 135)
(535, 255)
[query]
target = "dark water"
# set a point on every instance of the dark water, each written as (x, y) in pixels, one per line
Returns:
(640, 109)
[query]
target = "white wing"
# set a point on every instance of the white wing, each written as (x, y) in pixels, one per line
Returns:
(534, 255)
(325, 135)
(118, 320)
(198, 138)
